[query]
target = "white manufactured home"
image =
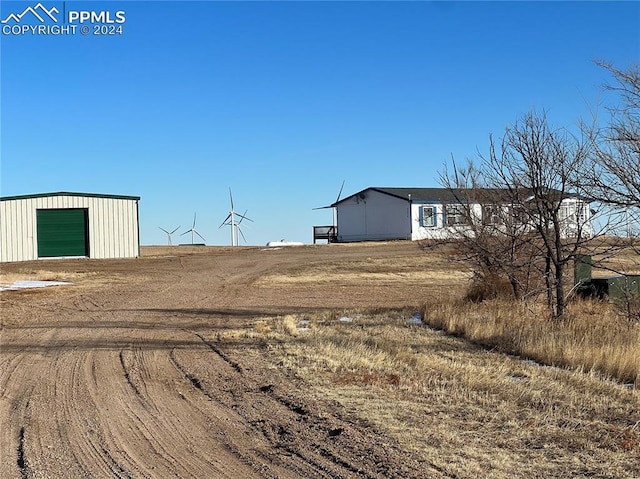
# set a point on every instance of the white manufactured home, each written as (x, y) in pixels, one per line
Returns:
(54, 225)
(375, 214)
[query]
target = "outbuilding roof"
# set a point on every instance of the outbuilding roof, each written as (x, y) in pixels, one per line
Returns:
(65, 193)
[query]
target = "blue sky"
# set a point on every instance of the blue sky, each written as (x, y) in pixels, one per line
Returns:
(282, 101)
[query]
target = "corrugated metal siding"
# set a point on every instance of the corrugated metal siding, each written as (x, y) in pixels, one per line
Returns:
(113, 225)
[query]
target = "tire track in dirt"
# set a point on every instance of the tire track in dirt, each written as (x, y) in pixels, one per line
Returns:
(173, 434)
(22, 412)
(143, 440)
(77, 416)
(314, 449)
(257, 460)
(220, 353)
(282, 421)
(19, 408)
(21, 461)
(278, 465)
(127, 381)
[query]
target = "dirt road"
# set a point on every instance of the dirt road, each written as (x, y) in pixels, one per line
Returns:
(116, 375)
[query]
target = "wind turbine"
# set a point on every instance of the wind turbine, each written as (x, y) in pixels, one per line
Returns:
(193, 230)
(169, 234)
(233, 221)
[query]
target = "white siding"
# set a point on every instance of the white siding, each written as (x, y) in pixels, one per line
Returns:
(439, 230)
(575, 216)
(375, 217)
(113, 225)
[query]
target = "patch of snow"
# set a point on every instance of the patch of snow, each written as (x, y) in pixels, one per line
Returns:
(345, 319)
(30, 284)
(415, 319)
(281, 243)
(303, 325)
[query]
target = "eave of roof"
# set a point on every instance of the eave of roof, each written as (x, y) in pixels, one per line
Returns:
(440, 195)
(65, 193)
(434, 195)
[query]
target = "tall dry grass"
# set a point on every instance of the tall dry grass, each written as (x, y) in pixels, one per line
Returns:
(466, 411)
(592, 337)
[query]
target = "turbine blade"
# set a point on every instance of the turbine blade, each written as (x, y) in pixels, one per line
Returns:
(340, 192)
(194, 220)
(242, 234)
(164, 230)
(243, 217)
(188, 231)
(225, 221)
(174, 230)
(231, 198)
(199, 235)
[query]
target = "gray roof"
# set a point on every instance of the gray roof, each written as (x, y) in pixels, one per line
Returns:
(421, 194)
(64, 193)
(439, 195)
(429, 195)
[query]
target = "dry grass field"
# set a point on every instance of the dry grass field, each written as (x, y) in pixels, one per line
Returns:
(306, 362)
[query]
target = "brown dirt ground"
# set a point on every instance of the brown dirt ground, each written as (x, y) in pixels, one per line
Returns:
(114, 376)
(127, 373)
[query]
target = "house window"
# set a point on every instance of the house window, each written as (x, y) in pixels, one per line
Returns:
(573, 213)
(491, 214)
(428, 216)
(567, 213)
(455, 215)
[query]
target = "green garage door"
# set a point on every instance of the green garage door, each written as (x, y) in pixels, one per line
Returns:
(63, 232)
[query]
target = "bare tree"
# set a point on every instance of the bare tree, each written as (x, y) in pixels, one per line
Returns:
(615, 177)
(492, 240)
(523, 183)
(615, 172)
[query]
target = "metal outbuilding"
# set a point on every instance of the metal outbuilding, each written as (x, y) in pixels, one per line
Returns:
(53, 225)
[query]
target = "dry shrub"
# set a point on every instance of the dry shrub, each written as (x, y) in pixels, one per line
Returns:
(629, 308)
(289, 325)
(277, 328)
(592, 337)
(262, 327)
(487, 286)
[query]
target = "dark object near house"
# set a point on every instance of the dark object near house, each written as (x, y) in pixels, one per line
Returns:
(616, 287)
